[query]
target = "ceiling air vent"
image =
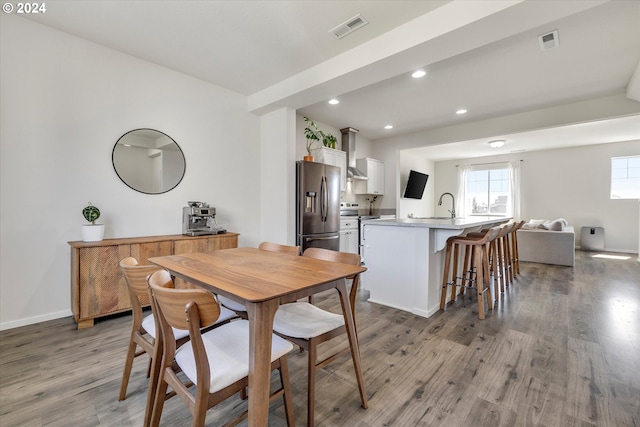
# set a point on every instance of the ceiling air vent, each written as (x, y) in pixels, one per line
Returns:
(549, 40)
(349, 26)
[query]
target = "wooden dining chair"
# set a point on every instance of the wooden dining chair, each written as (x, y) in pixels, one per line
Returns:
(215, 361)
(143, 328)
(277, 247)
(240, 309)
(308, 326)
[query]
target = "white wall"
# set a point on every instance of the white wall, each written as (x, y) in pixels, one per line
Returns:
(65, 102)
(570, 183)
(277, 176)
(415, 207)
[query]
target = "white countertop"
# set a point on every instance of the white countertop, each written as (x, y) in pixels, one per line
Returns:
(444, 223)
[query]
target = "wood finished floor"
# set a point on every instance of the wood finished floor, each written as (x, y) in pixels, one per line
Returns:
(561, 348)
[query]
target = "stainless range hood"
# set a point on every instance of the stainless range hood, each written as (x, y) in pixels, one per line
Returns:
(349, 146)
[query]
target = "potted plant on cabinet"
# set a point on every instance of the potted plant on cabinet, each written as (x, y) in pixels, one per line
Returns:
(313, 134)
(92, 232)
(328, 140)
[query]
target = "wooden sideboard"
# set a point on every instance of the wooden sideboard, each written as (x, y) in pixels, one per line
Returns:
(98, 287)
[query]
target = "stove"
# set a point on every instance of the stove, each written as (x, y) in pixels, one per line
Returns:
(348, 209)
(352, 210)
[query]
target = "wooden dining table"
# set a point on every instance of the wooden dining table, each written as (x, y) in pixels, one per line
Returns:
(262, 280)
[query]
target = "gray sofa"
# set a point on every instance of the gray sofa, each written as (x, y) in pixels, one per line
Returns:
(547, 246)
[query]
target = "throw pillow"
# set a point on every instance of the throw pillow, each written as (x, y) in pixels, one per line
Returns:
(534, 224)
(554, 225)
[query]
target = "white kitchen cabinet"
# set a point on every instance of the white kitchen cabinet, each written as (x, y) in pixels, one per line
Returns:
(349, 235)
(333, 157)
(349, 241)
(374, 170)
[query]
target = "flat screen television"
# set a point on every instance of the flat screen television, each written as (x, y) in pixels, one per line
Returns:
(415, 185)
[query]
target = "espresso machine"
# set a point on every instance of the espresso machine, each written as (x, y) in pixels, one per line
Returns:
(199, 219)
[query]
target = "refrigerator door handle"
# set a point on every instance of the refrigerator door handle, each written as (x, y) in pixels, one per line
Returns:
(324, 199)
(324, 238)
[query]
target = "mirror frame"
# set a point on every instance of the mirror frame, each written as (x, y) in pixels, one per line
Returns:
(113, 161)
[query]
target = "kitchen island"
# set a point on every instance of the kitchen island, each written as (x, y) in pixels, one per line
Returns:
(404, 258)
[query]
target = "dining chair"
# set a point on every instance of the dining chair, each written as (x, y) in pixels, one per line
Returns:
(214, 361)
(143, 328)
(307, 326)
(240, 309)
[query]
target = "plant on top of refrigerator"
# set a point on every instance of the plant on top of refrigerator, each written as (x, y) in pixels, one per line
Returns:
(312, 133)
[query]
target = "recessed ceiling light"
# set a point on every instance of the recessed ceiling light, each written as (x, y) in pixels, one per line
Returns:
(419, 73)
(388, 127)
(334, 101)
(497, 143)
(461, 111)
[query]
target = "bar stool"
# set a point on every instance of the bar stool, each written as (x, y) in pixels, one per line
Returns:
(479, 259)
(514, 247)
(512, 264)
(497, 258)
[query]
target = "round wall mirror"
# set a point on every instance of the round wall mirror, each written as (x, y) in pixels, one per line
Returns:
(148, 161)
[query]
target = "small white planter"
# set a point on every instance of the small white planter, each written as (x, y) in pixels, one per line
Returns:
(92, 232)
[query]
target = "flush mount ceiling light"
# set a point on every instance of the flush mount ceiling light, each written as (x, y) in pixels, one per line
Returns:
(497, 143)
(388, 127)
(419, 73)
(334, 101)
(461, 111)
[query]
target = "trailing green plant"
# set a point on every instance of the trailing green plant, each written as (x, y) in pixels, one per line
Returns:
(91, 213)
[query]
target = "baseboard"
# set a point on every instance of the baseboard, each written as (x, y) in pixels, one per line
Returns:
(36, 319)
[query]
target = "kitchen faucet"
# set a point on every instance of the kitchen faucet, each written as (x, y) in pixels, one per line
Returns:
(453, 204)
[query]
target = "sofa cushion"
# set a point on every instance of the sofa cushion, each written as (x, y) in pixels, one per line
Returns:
(534, 224)
(554, 225)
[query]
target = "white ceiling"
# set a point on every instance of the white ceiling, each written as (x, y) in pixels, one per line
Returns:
(483, 56)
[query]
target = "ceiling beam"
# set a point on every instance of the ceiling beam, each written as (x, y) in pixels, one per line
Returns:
(450, 30)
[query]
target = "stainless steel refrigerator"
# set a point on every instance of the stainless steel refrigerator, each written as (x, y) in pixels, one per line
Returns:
(317, 205)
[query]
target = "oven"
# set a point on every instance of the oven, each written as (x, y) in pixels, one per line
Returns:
(349, 212)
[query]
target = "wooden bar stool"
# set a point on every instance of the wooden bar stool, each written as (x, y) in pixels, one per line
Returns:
(509, 251)
(480, 260)
(497, 258)
(514, 247)
(466, 275)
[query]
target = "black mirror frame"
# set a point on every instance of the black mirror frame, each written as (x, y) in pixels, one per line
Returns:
(184, 160)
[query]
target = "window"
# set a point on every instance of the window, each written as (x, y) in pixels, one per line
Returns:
(488, 192)
(625, 177)
(489, 189)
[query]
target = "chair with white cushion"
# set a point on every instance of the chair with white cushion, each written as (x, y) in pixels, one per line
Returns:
(215, 361)
(307, 326)
(143, 329)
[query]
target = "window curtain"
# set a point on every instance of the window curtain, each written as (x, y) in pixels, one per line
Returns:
(514, 186)
(462, 210)
(513, 209)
